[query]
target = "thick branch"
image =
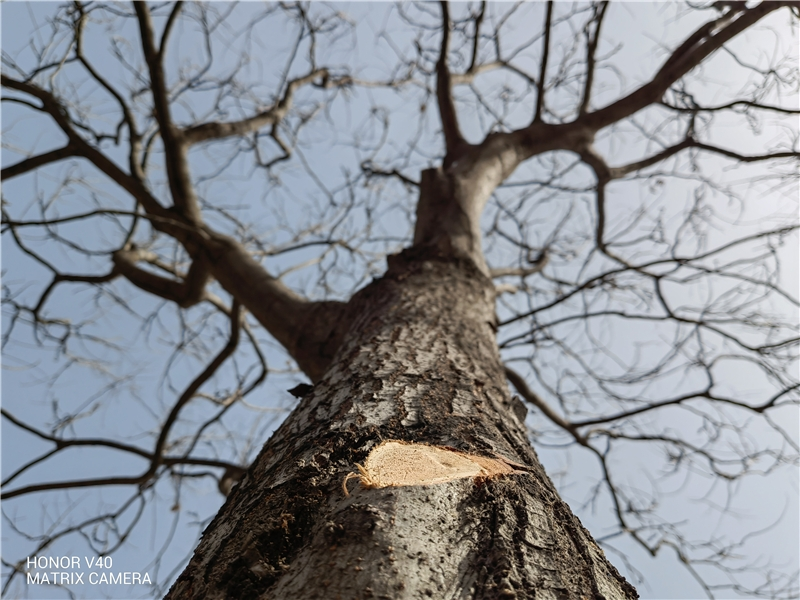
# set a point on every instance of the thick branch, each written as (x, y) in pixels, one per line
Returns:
(454, 141)
(591, 49)
(184, 293)
(702, 43)
(76, 483)
(214, 131)
(176, 160)
(134, 186)
(34, 162)
(470, 75)
(277, 308)
(618, 172)
(539, 137)
(310, 331)
(477, 36)
(171, 20)
(548, 26)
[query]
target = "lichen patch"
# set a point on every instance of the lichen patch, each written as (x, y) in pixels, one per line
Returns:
(394, 463)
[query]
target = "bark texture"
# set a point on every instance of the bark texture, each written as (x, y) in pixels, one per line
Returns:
(419, 363)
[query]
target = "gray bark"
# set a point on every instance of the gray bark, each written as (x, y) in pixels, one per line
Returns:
(418, 364)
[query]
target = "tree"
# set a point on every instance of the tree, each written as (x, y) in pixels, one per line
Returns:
(406, 468)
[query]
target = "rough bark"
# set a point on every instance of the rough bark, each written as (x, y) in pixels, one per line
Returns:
(419, 363)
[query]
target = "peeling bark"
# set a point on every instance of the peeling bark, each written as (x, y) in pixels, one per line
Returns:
(419, 363)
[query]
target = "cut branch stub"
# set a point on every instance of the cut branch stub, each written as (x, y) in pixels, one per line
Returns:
(395, 464)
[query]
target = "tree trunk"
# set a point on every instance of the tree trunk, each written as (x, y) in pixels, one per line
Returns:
(419, 364)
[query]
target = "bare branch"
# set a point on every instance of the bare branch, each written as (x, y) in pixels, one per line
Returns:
(34, 162)
(171, 20)
(476, 37)
(592, 37)
(72, 484)
(131, 184)
(214, 131)
(194, 386)
(454, 141)
(176, 160)
(62, 443)
(370, 170)
(548, 26)
(184, 293)
(745, 157)
(703, 42)
(731, 105)
(127, 114)
(522, 388)
(540, 264)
